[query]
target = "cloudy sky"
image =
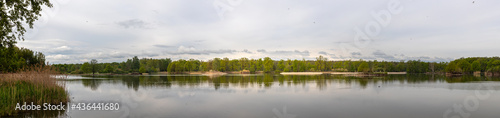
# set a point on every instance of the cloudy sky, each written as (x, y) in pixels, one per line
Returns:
(75, 31)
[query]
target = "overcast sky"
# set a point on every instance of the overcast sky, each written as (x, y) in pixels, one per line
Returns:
(75, 31)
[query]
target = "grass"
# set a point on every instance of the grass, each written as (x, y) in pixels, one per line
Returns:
(34, 84)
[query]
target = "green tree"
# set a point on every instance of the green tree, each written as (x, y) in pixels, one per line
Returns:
(281, 65)
(224, 64)
(128, 65)
(86, 67)
(464, 66)
(171, 67)
(14, 58)
(321, 63)
(164, 64)
(235, 65)
(302, 66)
(364, 67)
(94, 66)
(216, 64)
(245, 63)
(401, 66)
(188, 66)
(294, 66)
(142, 69)
(476, 66)
(259, 66)
(204, 66)
(180, 66)
(268, 64)
(135, 63)
(453, 68)
(14, 14)
(495, 63)
(109, 68)
(252, 69)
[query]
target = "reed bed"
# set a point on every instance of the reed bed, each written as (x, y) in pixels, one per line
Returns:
(34, 84)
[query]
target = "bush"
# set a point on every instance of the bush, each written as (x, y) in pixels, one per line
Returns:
(77, 72)
(252, 70)
(142, 70)
(277, 72)
(119, 71)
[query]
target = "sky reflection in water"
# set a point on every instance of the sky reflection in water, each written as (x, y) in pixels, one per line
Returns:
(299, 96)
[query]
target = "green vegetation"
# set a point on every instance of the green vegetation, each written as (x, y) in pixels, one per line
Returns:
(268, 80)
(13, 58)
(133, 65)
(15, 13)
(32, 81)
(267, 65)
(490, 65)
(363, 67)
(30, 85)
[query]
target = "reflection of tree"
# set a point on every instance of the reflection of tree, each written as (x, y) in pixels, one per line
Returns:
(135, 82)
(132, 81)
(363, 83)
(268, 80)
(216, 84)
(92, 83)
(321, 82)
(469, 78)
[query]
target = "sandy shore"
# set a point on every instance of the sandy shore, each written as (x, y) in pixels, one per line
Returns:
(214, 73)
(333, 73)
(345, 73)
(301, 73)
(396, 73)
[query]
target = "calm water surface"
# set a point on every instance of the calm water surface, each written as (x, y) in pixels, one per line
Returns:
(268, 96)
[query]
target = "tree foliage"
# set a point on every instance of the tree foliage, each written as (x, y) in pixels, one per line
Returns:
(453, 68)
(14, 14)
(321, 63)
(463, 65)
(476, 65)
(13, 58)
(94, 67)
(85, 67)
(363, 67)
(268, 65)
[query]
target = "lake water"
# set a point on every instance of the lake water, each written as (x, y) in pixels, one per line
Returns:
(278, 96)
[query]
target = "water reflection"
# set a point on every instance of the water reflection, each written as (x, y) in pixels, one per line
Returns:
(255, 96)
(268, 80)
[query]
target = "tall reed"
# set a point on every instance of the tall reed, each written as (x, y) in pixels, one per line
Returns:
(33, 84)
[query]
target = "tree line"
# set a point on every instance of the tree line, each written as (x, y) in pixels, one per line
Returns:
(320, 64)
(134, 65)
(13, 58)
(267, 65)
(474, 64)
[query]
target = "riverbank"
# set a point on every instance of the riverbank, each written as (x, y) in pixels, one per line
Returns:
(218, 73)
(35, 85)
(301, 73)
(344, 73)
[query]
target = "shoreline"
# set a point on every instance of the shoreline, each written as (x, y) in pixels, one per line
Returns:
(259, 72)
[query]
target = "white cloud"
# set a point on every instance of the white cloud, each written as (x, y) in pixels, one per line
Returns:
(62, 48)
(58, 57)
(185, 49)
